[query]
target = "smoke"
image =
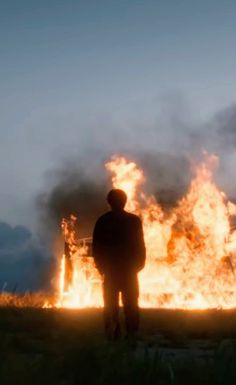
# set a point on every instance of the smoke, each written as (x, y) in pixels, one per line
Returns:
(78, 190)
(226, 128)
(220, 138)
(163, 148)
(82, 192)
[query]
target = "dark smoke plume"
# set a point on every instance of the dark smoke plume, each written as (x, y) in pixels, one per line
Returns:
(73, 192)
(81, 185)
(84, 194)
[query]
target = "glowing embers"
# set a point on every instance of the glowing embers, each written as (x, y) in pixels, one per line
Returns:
(190, 252)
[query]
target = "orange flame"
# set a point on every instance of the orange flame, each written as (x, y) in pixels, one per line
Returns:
(190, 252)
(126, 176)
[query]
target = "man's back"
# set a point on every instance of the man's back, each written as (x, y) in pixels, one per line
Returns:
(118, 242)
(119, 253)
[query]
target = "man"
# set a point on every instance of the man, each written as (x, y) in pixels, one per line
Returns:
(119, 254)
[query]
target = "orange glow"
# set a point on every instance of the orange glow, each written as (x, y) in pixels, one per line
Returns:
(190, 252)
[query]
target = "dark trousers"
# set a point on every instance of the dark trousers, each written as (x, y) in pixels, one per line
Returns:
(127, 285)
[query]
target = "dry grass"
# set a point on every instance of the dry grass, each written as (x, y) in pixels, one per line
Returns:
(27, 299)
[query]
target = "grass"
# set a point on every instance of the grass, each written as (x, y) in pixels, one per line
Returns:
(67, 347)
(27, 299)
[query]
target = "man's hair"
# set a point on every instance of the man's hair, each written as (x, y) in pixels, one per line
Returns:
(117, 198)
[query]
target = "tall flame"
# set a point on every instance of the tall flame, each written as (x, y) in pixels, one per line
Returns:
(190, 252)
(126, 176)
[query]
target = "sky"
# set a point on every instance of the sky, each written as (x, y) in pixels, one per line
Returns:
(77, 76)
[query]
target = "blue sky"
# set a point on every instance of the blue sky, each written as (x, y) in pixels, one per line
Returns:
(74, 73)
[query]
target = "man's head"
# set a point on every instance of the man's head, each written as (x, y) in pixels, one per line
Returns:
(117, 199)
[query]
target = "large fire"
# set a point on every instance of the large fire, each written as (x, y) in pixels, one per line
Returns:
(190, 250)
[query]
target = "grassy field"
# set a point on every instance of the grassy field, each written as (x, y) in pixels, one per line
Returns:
(67, 347)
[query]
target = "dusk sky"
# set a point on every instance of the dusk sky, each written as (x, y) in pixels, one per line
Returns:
(74, 73)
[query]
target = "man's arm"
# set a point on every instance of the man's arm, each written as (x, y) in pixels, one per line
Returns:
(97, 246)
(141, 249)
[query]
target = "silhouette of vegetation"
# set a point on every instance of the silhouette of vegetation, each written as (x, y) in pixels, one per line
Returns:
(67, 347)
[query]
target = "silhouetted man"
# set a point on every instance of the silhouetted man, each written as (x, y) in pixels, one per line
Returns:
(119, 254)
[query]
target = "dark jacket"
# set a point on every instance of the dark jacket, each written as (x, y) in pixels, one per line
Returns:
(118, 243)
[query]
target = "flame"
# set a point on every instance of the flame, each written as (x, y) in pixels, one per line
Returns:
(126, 176)
(190, 251)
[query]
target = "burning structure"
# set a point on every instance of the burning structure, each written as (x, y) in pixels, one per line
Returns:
(191, 249)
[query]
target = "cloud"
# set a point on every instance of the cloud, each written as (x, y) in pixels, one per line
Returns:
(24, 263)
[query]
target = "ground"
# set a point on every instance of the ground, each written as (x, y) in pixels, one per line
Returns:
(67, 347)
